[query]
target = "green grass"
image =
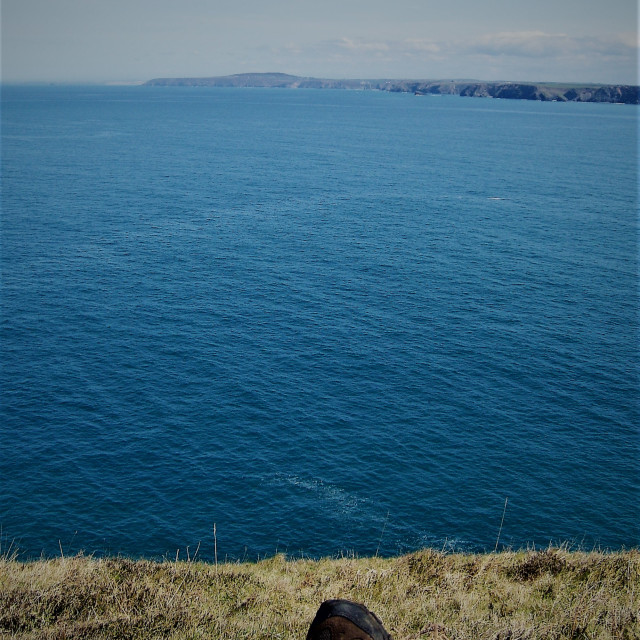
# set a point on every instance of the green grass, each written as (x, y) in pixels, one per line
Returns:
(554, 594)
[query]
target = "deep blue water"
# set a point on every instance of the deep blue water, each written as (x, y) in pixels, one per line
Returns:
(325, 321)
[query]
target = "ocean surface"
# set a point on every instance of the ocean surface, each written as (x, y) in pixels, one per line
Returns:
(325, 322)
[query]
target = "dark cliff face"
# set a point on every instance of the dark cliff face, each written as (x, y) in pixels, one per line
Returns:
(515, 92)
(521, 91)
(620, 93)
(518, 91)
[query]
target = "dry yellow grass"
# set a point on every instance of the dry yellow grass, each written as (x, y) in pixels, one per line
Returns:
(552, 594)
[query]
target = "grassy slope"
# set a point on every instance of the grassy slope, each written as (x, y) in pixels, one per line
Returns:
(551, 594)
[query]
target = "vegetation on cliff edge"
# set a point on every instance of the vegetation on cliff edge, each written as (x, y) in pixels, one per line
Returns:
(552, 594)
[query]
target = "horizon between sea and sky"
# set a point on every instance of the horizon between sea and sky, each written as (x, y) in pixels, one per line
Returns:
(85, 41)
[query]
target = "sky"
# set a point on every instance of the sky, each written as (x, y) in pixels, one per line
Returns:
(104, 41)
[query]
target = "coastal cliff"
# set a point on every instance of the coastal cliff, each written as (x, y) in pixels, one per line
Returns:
(523, 91)
(625, 94)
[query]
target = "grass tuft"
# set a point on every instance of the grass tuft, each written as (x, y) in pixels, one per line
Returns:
(554, 594)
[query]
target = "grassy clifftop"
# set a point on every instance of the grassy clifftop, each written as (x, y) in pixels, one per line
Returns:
(534, 594)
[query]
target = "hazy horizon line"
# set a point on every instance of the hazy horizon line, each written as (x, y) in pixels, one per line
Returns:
(139, 82)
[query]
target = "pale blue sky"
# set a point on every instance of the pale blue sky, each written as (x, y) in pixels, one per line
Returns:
(135, 40)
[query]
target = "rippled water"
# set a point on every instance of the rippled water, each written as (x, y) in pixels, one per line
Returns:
(324, 321)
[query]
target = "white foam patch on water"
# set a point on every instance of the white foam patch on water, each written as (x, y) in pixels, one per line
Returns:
(330, 496)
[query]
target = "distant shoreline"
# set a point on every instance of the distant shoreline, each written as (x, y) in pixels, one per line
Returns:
(546, 92)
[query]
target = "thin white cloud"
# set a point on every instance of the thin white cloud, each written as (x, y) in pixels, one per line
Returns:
(422, 46)
(362, 50)
(524, 43)
(363, 46)
(518, 55)
(631, 39)
(538, 44)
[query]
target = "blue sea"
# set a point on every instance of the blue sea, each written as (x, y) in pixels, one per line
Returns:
(324, 322)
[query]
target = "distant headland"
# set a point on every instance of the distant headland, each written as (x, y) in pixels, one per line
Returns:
(614, 93)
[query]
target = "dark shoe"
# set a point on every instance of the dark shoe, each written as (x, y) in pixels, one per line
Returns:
(345, 620)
